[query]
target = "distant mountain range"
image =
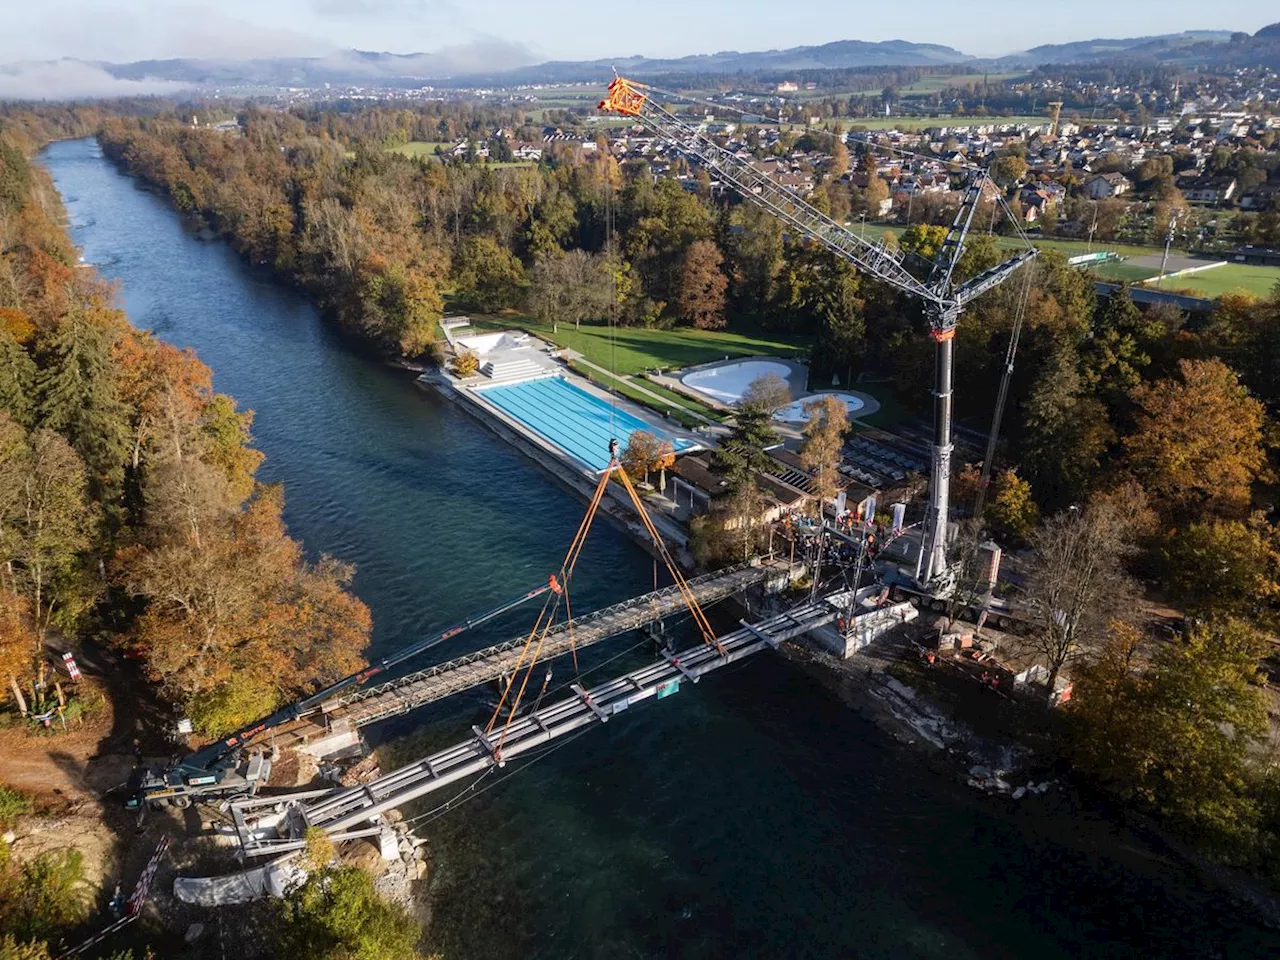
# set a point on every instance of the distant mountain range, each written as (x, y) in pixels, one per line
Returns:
(496, 63)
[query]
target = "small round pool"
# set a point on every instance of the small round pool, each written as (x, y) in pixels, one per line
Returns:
(794, 412)
(727, 383)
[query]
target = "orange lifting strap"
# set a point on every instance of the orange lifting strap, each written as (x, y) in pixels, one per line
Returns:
(528, 658)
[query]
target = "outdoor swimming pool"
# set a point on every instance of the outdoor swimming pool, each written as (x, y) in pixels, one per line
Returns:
(578, 422)
(729, 381)
(794, 412)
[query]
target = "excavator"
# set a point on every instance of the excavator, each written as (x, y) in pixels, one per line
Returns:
(222, 770)
(941, 299)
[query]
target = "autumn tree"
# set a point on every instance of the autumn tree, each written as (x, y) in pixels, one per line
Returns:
(465, 364)
(700, 294)
(645, 454)
(1076, 582)
(1173, 735)
(1010, 508)
(239, 623)
(827, 421)
(1008, 170)
(1197, 442)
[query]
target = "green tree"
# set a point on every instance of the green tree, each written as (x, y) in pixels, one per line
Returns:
(924, 240)
(15, 178)
(1065, 433)
(743, 452)
(487, 275)
(1119, 351)
(79, 398)
(1223, 567)
(17, 380)
(337, 915)
(753, 249)
(1174, 738)
(43, 896)
(43, 524)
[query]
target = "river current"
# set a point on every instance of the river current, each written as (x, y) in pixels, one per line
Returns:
(751, 815)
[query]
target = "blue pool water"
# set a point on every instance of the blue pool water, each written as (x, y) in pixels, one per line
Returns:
(577, 422)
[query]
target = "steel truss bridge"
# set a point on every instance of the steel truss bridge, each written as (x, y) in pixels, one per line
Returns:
(276, 825)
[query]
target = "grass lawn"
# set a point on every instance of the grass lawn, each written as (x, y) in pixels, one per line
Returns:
(622, 387)
(679, 399)
(1257, 280)
(1124, 272)
(933, 84)
(419, 148)
(633, 350)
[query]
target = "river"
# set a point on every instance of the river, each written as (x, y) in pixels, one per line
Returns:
(752, 815)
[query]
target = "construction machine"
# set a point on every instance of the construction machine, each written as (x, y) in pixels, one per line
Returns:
(941, 299)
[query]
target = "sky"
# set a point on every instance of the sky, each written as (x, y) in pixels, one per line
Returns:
(574, 29)
(511, 32)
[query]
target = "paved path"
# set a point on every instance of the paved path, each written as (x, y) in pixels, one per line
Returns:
(637, 386)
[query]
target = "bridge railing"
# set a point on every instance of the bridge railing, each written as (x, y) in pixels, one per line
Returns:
(634, 604)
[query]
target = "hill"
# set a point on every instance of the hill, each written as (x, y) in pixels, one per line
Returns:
(493, 63)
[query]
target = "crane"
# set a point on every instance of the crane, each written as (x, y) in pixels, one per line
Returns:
(941, 300)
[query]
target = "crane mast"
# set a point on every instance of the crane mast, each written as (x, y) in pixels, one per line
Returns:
(941, 301)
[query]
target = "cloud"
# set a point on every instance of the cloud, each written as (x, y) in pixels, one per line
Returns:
(154, 29)
(74, 80)
(387, 9)
(484, 55)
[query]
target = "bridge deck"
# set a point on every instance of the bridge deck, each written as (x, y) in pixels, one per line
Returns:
(347, 813)
(492, 663)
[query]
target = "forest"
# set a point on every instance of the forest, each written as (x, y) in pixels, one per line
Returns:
(128, 504)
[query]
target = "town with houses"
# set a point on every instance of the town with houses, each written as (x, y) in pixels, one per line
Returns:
(1093, 154)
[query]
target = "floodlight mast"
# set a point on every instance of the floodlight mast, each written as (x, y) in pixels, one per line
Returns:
(940, 300)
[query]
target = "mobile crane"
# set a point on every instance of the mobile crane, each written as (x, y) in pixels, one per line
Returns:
(941, 299)
(219, 770)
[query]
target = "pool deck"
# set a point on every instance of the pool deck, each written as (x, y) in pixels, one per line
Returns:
(567, 470)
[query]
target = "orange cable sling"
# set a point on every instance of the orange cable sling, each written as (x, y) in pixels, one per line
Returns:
(542, 626)
(566, 571)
